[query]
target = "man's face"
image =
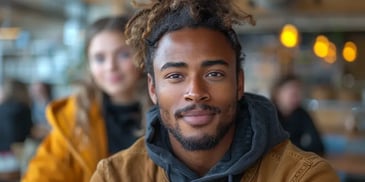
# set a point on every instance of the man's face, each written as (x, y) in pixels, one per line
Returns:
(196, 86)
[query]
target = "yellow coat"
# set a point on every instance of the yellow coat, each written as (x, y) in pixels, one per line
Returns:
(67, 154)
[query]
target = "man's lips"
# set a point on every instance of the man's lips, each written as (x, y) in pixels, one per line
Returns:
(197, 117)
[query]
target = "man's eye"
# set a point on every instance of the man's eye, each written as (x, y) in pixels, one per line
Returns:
(215, 74)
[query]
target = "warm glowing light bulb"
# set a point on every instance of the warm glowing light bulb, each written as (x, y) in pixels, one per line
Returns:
(289, 36)
(321, 46)
(349, 52)
(332, 55)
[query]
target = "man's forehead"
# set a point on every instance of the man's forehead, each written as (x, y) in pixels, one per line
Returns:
(186, 38)
(199, 44)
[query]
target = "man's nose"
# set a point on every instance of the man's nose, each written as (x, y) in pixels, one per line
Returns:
(197, 91)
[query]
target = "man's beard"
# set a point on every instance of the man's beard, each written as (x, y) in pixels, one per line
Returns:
(204, 142)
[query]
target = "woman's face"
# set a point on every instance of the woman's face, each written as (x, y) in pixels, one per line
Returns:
(111, 66)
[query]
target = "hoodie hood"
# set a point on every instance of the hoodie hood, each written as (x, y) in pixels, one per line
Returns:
(259, 129)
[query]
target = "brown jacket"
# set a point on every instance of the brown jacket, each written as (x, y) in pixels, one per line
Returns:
(284, 162)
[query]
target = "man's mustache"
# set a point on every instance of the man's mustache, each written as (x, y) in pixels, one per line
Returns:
(215, 110)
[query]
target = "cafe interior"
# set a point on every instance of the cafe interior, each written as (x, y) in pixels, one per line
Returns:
(321, 41)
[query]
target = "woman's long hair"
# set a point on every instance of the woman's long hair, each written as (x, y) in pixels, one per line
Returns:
(88, 93)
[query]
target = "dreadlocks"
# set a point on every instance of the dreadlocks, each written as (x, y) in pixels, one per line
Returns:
(144, 30)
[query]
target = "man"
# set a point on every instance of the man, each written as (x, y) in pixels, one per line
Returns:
(203, 128)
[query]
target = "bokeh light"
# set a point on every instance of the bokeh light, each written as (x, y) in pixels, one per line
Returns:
(349, 51)
(321, 46)
(289, 36)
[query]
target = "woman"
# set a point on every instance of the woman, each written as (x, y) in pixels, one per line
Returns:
(287, 97)
(103, 117)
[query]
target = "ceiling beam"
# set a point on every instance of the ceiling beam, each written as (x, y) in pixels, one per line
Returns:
(306, 23)
(51, 12)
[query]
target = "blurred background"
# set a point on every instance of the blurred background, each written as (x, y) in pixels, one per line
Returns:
(321, 41)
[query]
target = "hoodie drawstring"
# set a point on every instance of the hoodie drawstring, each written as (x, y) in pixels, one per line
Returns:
(230, 178)
(168, 172)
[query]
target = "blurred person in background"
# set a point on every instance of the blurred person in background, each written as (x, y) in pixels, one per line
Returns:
(287, 97)
(15, 123)
(41, 95)
(102, 117)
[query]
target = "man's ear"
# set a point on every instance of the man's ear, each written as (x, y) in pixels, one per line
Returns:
(151, 89)
(240, 84)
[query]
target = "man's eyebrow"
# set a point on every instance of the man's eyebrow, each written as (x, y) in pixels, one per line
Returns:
(173, 65)
(214, 62)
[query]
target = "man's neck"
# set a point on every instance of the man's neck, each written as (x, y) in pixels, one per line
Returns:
(203, 160)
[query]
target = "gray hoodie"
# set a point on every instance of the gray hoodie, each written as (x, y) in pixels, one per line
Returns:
(257, 131)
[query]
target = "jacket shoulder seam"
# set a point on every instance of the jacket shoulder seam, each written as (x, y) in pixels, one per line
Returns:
(308, 163)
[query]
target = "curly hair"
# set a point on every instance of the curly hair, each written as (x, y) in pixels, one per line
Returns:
(145, 29)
